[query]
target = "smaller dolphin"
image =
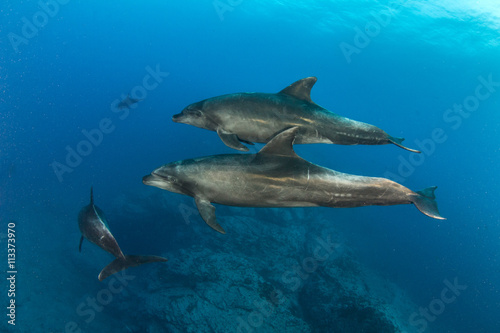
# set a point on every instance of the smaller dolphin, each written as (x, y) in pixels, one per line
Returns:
(258, 117)
(127, 102)
(94, 227)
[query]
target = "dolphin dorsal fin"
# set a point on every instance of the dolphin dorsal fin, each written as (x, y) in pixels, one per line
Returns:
(281, 144)
(91, 195)
(301, 89)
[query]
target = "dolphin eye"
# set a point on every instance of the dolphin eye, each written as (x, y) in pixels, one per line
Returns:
(172, 179)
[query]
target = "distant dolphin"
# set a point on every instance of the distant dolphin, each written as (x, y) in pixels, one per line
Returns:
(127, 102)
(277, 177)
(258, 117)
(94, 227)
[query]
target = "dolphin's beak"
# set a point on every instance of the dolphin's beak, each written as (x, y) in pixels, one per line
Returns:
(148, 179)
(161, 182)
(177, 118)
(155, 180)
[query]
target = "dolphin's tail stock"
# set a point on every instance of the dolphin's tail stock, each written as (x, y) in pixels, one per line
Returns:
(399, 142)
(119, 264)
(425, 201)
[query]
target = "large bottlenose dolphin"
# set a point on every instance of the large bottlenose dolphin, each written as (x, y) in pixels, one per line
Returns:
(277, 177)
(94, 227)
(258, 117)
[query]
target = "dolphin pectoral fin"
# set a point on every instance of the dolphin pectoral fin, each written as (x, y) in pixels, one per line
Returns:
(119, 264)
(425, 201)
(80, 246)
(282, 144)
(398, 142)
(231, 140)
(207, 212)
(301, 89)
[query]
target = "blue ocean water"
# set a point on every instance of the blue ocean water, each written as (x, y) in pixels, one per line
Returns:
(428, 71)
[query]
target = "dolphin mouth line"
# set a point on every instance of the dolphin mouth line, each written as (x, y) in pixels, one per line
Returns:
(181, 188)
(154, 174)
(148, 179)
(159, 176)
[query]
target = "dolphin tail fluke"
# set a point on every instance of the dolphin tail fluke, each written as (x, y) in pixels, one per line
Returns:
(119, 264)
(425, 201)
(399, 142)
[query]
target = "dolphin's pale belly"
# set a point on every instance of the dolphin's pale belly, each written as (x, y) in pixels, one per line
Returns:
(259, 117)
(282, 182)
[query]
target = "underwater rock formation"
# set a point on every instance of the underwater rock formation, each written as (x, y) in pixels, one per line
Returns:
(272, 273)
(216, 292)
